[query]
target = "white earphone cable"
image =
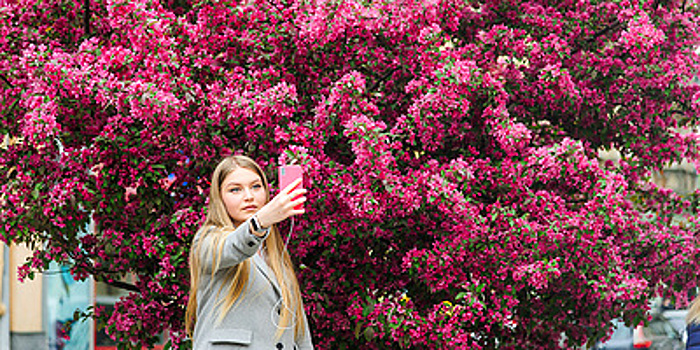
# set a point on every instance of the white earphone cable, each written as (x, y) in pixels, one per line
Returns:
(280, 301)
(289, 235)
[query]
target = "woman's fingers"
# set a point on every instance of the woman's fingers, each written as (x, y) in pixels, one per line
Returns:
(297, 207)
(287, 203)
(291, 186)
(297, 201)
(298, 192)
(298, 212)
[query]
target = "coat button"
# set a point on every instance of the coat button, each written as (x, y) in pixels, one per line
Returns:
(279, 345)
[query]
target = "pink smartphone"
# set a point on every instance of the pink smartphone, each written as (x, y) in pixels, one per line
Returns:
(287, 175)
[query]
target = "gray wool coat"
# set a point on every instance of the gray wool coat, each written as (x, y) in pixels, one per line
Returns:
(252, 322)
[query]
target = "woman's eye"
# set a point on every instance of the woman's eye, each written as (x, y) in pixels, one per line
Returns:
(257, 186)
(235, 190)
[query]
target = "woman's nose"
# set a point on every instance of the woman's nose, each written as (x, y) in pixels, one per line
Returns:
(248, 194)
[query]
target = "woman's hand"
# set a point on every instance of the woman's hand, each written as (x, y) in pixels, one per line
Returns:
(287, 203)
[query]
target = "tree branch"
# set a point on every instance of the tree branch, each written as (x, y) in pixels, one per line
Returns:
(86, 17)
(7, 81)
(660, 262)
(597, 35)
(382, 79)
(123, 285)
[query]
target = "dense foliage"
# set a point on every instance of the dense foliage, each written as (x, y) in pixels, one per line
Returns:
(450, 149)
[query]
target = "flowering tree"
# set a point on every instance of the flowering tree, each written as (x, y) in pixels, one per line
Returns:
(450, 150)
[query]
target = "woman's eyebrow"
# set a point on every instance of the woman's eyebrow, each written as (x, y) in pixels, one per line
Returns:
(233, 183)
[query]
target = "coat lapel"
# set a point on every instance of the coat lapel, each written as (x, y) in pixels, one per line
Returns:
(265, 270)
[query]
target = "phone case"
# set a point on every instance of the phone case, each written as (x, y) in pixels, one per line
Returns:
(287, 175)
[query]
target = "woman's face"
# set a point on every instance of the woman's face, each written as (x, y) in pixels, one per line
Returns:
(243, 194)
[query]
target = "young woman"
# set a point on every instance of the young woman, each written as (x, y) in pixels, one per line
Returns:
(244, 292)
(693, 320)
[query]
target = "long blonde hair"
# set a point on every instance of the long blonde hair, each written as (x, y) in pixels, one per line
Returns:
(237, 276)
(693, 315)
